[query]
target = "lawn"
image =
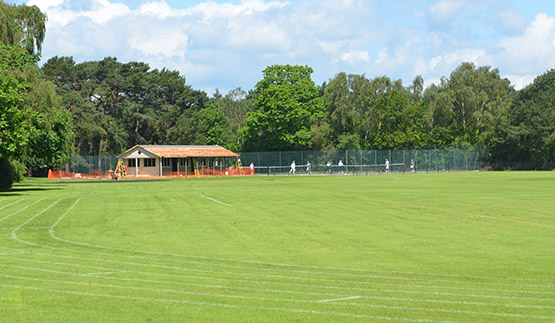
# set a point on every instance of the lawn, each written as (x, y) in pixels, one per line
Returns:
(449, 247)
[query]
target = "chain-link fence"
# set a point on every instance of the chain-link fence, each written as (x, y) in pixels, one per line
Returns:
(90, 164)
(362, 161)
(355, 162)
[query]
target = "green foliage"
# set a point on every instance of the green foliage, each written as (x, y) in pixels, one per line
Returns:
(401, 123)
(14, 127)
(525, 134)
(19, 170)
(235, 105)
(213, 125)
(6, 174)
(288, 103)
(52, 142)
(463, 107)
(116, 105)
(377, 113)
(23, 26)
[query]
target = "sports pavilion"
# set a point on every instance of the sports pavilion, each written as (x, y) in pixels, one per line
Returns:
(170, 160)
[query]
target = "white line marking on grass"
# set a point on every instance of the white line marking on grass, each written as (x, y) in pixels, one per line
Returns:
(5, 206)
(279, 309)
(25, 228)
(262, 269)
(14, 213)
(275, 283)
(105, 273)
(61, 217)
(259, 275)
(14, 232)
(338, 299)
(180, 291)
(264, 275)
(52, 234)
(503, 314)
(214, 200)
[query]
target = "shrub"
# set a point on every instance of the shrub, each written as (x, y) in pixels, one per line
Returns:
(6, 174)
(19, 170)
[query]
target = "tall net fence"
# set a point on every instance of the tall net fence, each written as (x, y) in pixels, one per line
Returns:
(362, 161)
(85, 167)
(355, 162)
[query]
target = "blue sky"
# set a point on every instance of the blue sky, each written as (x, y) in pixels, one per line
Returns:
(223, 44)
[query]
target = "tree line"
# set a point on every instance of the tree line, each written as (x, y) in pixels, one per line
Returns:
(66, 108)
(117, 105)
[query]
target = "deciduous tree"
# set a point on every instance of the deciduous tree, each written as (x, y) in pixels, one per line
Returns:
(288, 103)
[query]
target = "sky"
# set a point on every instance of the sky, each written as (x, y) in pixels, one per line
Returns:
(226, 44)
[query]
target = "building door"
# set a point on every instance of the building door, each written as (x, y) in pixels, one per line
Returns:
(174, 164)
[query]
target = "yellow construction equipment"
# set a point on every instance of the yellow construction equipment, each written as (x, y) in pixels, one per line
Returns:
(121, 170)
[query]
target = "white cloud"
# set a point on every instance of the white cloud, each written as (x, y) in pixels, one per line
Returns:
(104, 11)
(157, 9)
(451, 60)
(356, 57)
(521, 81)
(160, 42)
(45, 4)
(395, 60)
(210, 10)
(262, 37)
(444, 12)
(509, 21)
(532, 51)
(225, 44)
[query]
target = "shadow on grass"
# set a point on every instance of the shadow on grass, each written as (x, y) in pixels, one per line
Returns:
(20, 189)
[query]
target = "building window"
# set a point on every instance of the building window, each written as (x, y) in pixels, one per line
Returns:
(131, 163)
(183, 162)
(149, 162)
(166, 162)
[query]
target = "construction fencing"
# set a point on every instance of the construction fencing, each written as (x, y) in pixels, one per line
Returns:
(355, 162)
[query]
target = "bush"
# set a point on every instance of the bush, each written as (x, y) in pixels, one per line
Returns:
(6, 174)
(19, 170)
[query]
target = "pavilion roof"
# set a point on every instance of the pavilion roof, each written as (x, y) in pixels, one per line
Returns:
(176, 151)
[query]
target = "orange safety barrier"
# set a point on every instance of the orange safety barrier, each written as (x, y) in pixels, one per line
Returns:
(61, 174)
(203, 172)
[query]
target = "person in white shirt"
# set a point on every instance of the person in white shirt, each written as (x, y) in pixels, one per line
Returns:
(292, 170)
(387, 165)
(340, 164)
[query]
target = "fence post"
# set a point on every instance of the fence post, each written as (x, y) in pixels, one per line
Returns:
(361, 152)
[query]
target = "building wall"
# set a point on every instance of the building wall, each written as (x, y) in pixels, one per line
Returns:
(144, 167)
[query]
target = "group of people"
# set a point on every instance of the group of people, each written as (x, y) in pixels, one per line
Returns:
(309, 167)
(340, 166)
(328, 166)
(294, 167)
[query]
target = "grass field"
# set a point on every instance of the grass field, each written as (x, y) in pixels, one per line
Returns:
(462, 247)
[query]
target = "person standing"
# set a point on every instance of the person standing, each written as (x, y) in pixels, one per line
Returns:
(340, 164)
(292, 170)
(328, 165)
(412, 165)
(308, 167)
(252, 168)
(387, 165)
